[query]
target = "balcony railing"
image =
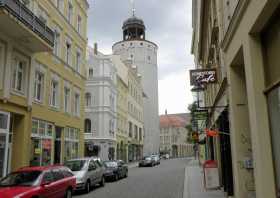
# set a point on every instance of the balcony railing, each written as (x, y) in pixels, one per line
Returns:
(27, 17)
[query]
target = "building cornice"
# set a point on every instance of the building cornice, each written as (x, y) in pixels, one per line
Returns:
(235, 21)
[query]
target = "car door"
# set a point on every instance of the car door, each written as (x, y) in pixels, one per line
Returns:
(59, 182)
(92, 171)
(121, 168)
(48, 189)
(99, 170)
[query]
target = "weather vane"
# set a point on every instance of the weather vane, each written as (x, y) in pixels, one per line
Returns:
(133, 7)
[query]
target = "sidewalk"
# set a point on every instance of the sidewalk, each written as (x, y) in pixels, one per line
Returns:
(193, 186)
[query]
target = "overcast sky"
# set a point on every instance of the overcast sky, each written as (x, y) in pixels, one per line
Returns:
(168, 24)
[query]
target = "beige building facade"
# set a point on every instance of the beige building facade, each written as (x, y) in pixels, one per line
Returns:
(249, 44)
(173, 135)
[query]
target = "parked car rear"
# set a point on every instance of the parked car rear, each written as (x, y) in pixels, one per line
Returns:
(146, 161)
(29, 182)
(115, 170)
(156, 158)
(88, 172)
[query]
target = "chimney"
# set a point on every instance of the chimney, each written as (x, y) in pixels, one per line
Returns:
(95, 48)
(165, 111)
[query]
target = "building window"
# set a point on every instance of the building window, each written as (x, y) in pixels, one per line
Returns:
(112, 102)
(54, 93)
(87, 126)
(56, 48)
(88, 99)
(77, 104)
(71, 138)
(70, 12)
(111, 127)
(41, 143)
(19, 72)
(67, 98)
(140, 134)
(78, 61)
(38, 86)
(130, 129)
(135, 132)
(60, 5)
(90, 73)
(68, 53)
(79, 24)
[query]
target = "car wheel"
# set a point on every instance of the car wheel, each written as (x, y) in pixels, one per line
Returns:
(87, 187)
(102, 182)
(68, 193)
(116, 177)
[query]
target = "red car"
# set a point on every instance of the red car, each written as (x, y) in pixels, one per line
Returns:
(35, 182)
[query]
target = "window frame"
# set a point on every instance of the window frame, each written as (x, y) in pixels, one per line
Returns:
(36, 83)
(67, 109)
(17, 58)
(54, 79)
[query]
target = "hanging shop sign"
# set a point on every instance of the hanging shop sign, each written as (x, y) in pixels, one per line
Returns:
(200, 115)
(203, 76)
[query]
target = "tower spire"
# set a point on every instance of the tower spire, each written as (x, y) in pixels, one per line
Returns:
(133, 7)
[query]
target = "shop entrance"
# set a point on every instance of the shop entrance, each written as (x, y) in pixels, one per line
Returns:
(4, 142)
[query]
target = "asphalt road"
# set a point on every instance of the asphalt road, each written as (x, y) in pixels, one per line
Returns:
(163, 181)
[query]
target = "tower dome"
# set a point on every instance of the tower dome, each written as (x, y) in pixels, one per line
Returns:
(133, 29)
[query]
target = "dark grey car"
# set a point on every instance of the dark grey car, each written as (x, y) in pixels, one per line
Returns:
(88, 172)
(115, 170)
(147, 161)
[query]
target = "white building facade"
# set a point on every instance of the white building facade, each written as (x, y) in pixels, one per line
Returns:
(143, 53)
(100, 106)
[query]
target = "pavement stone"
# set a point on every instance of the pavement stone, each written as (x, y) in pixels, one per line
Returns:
(193, 185)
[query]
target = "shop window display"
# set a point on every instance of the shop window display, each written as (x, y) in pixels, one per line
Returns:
(41, 143)
(71, 143)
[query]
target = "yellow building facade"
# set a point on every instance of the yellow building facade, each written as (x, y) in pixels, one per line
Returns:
(130, 130)
(42, 81)
(122, 112)
(135, 114)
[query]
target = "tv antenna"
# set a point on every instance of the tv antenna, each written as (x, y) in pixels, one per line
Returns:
(133, 7)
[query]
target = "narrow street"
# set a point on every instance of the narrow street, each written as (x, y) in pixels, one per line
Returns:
(163, 181)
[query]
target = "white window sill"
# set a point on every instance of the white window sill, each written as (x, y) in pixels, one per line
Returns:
(54, 108)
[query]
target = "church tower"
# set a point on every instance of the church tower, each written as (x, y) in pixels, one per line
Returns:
(143, 54)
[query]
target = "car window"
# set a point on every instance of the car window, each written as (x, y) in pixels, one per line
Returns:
(48, 177)
(110, 164)
(75, 165)
(121, 162)
(92, 165)
(57, 174)
(24, 178)
(66, 172)
(98, 163)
